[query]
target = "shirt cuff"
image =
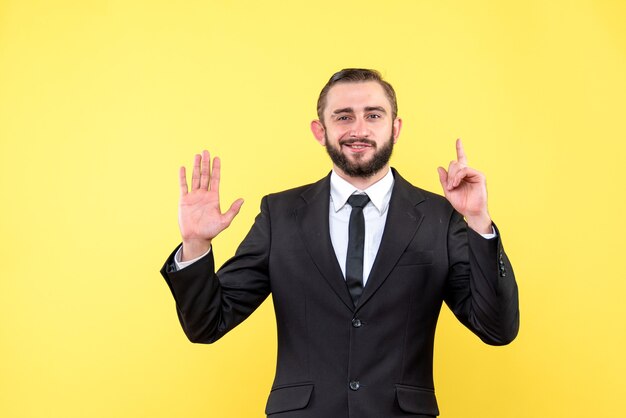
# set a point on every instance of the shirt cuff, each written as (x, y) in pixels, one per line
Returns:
(182, 264)
(490, 236)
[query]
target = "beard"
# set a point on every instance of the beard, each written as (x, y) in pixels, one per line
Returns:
(360, 168)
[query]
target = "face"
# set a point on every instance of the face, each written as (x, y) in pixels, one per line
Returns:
(357, 130)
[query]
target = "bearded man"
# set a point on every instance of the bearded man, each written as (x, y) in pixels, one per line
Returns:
(358, 263)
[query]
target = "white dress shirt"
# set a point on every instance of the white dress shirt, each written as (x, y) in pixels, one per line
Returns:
(375, 214)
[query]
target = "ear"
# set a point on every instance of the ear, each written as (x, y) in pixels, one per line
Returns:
(397, 125)
(317, 127)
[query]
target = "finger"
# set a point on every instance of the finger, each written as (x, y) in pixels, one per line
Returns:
(469, 175)
(215, 175)
(195, 176)
(460, 152)
(233, 210)
(182, 175)
(459, 177)
(204, 173)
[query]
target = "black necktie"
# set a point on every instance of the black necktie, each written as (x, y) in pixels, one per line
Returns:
(356, 244)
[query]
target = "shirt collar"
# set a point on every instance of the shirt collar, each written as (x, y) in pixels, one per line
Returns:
(379, 192)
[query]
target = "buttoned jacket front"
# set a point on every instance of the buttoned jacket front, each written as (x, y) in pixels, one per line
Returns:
(340, 360)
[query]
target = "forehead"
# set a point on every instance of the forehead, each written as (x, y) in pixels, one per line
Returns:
(356, 95)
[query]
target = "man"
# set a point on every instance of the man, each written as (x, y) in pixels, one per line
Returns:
(359, 264)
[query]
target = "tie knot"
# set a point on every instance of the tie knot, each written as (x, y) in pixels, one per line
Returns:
(358, 200)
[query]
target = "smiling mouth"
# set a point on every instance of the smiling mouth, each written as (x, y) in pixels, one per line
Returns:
(357, 145)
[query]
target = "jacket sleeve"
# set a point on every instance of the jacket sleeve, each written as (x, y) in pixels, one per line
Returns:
(481, 288)
(210, 304)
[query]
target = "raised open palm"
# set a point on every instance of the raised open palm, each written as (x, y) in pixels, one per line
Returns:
(199, 215)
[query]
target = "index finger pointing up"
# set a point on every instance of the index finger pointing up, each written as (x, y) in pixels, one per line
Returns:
(460, 153)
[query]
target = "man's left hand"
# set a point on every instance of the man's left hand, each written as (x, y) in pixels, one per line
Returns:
(466, 190)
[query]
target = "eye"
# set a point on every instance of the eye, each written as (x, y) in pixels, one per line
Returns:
(342, 118)
(374, 116)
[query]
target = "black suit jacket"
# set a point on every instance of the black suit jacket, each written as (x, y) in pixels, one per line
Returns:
(335, 359)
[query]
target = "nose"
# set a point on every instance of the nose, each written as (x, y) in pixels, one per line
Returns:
(359, 129)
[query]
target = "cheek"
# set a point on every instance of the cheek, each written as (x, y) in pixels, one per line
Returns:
(384, 132)
(337, 135)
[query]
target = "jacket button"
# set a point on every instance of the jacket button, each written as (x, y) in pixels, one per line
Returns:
(355, 385)
(356, 323)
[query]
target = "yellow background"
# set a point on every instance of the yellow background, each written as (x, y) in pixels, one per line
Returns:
(102, 101)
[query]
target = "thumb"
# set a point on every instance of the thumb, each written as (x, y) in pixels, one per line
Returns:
(443, 177)
(233, 210)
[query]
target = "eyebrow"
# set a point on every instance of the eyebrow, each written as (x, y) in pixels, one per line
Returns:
(367, 109)
(375, 108)
(344, 110)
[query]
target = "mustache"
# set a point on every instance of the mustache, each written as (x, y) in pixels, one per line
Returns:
(360, 140)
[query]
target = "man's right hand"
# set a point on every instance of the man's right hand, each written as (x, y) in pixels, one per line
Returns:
(199, 216)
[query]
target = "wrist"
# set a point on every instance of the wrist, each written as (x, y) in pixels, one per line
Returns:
(480, 223)
(194, 249)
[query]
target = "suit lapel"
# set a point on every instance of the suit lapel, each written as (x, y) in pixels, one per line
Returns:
(403, 220)
(312, 219)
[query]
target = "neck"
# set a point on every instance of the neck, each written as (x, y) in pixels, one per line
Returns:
(362, 183)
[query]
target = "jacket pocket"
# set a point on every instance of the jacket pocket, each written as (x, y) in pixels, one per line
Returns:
(417, 400)
(410, 258)
(289, 398)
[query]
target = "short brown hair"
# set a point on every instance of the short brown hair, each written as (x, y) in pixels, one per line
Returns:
(357, 75)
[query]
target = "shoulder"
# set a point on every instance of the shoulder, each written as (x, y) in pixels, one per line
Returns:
(299, 195)
(417, 195)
